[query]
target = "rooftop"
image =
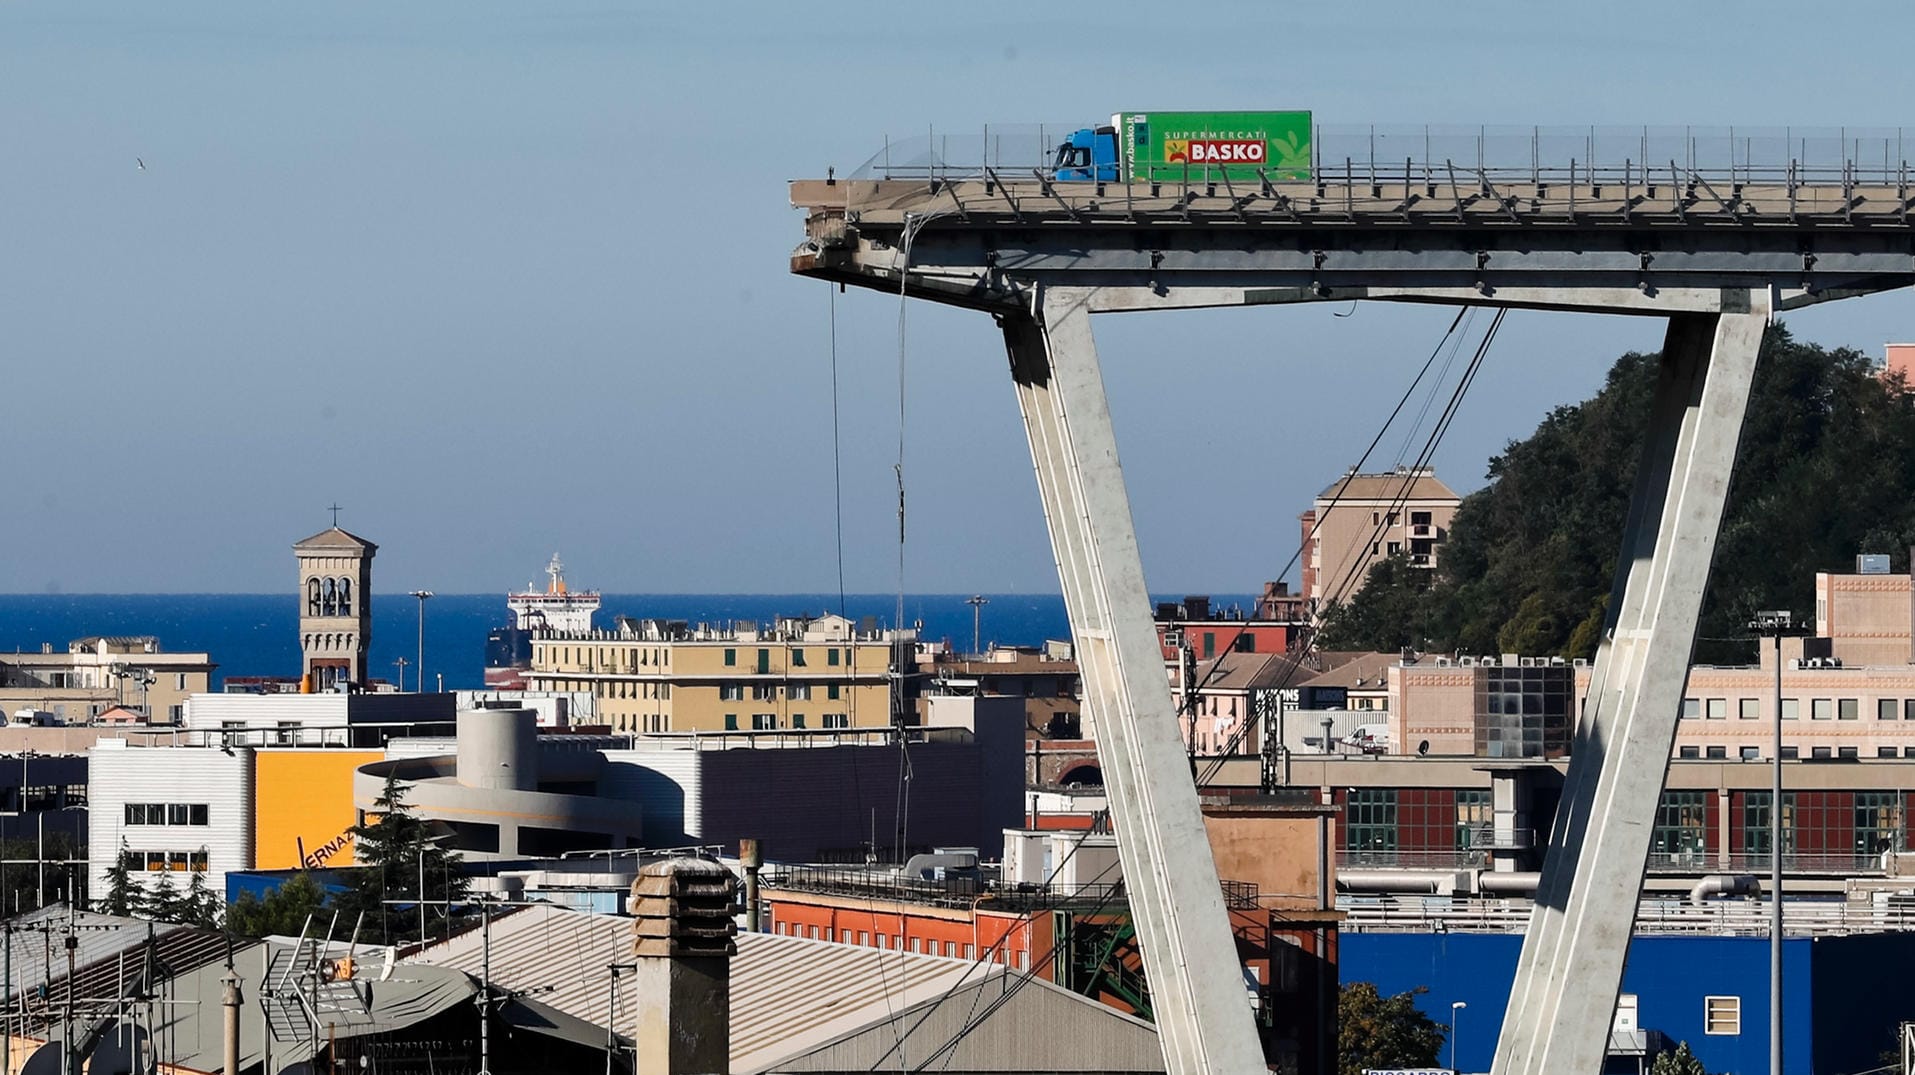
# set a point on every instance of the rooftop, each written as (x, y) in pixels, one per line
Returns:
(1405, 483)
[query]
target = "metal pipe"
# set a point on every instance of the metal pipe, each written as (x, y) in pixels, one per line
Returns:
(229, 999)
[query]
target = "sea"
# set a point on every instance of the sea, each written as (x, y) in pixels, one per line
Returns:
(258, 634)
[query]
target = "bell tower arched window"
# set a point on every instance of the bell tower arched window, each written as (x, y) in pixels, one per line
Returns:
(332, 598)
(345, 597)
(312, 597)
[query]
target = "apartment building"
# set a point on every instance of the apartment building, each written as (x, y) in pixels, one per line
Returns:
(1363, 518)
(652, 676)
(93, 675)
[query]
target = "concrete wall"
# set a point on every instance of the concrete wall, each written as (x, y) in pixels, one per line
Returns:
(1276, 847)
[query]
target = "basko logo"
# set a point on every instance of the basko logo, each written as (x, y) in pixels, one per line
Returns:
(1213, 151)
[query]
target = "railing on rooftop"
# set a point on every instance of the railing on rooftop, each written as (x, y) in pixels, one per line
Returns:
(883, 882)
(1347, 154)
(1736, 917)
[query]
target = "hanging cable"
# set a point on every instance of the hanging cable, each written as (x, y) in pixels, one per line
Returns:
(1346, 586)
(837, 447)
(1187, 708)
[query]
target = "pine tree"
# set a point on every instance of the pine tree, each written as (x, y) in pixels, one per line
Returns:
(199, 907)
(1680, 1062)
(284, 911)
(161, 900)
(122, 897)
(393, 847)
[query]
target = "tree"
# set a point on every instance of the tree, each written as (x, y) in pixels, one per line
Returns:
(393, 847)
(283, 912)
(1680, 1062)
(1532, 555)
(161, 901)
(122, 897)
(199, 907)
(1375, 1031)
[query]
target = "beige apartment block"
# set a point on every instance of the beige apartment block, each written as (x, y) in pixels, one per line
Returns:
(96, 674)
(654, 676)
(1866, 618)
(1363, 518)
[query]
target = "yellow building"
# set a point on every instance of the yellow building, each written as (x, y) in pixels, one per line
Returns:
(303, 808)
(669, 676)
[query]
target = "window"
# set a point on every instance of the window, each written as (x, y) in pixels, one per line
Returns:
(1791, 753)
(831, 657)
(1722, 1015)
(1717, 752)
(764, 661)
(1884, 752)
(797, 720)
(1885, 708)
(198, 859)
(763, 692)
(1821, 709)
(1820, 752)
(764, 722)
(1908, 709)
(1848, 709)
(155, 860)
(1751, 753)
(1474, 815)
(731, 658)
(831, 691)
(1791, 708)
(731, 722)
(179, 681)
(1419, 518)
(197, 814)
(1691, 709)
(1749, 709)
(1395, 547)
(1716, 709)
(1681, 833)
(797, 658)
(1846, 752)
(837, 720)
(1370, 835)
(800, 692)
(176, 814)
(1688, 752)
(731, 692)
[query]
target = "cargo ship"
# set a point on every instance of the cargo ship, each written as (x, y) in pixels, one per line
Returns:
(558, 607)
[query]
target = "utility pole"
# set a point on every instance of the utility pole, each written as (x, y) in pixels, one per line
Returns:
(1774, 623)
(977, 603)
(401, 663)
(419, 670)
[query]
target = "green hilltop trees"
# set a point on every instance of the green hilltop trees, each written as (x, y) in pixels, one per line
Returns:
(1825, 469)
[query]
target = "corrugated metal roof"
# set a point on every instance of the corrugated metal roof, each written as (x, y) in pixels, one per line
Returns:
(789, 995)
(39, 955)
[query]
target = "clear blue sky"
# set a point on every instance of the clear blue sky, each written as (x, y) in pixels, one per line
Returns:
(509, 278)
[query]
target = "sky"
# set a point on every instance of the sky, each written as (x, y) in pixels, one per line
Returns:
(505, 279)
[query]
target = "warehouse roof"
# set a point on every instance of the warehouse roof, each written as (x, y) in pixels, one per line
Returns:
(799, 1004)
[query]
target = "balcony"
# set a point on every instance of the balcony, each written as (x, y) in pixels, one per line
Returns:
(1486, 838)
(1422, 559)
(1422, 530)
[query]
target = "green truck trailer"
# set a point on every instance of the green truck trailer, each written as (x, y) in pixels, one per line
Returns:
(1170, 147)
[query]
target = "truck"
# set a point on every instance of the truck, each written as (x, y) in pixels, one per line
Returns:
(1177, 147)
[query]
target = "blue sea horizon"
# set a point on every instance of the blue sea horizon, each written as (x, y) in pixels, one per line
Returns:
(257, 634)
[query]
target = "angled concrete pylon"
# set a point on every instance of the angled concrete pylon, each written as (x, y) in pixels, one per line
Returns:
(1564, 996)
(1176, 904)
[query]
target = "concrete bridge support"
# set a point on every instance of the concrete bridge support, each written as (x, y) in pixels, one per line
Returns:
(1564, 995)
(1176, 906)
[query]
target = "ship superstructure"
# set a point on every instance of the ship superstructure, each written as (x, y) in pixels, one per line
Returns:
(508, 650)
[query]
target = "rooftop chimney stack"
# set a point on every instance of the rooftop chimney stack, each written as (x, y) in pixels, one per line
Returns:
(683, 927)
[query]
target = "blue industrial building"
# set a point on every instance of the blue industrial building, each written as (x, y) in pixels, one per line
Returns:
(1843, 997)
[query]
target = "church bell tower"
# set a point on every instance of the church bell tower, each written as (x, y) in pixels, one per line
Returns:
(335, 608)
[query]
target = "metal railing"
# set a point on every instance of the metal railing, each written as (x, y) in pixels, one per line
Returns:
(1391, 858)
(1732, 918)
(1392, 155)
(966, 891)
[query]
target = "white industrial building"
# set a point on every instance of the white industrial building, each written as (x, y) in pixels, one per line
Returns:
(176, 810)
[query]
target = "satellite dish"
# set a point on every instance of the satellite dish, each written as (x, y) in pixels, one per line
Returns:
(1423, 749)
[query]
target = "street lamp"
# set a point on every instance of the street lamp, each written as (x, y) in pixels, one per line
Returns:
(1774, 623)
(401, 663)
(419, 670)
(1455, 1006)
(977, 603)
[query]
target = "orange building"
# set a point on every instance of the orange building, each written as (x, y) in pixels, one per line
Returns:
(303, 808)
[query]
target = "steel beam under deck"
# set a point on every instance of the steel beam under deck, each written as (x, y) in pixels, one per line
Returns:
(1176, 905)
(1563, 999)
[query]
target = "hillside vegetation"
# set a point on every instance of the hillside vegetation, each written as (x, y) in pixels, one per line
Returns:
(1825, 469)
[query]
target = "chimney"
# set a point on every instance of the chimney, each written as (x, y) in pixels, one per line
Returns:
(683, 927)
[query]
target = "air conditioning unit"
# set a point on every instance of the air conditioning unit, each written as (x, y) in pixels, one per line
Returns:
(1555, 662)
(1529, 662)
(1469, 662)
(1580, 662)
(1444, 662)
(1833, 662)
(1487, 662)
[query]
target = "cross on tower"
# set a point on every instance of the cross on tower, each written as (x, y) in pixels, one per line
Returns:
(335, 513)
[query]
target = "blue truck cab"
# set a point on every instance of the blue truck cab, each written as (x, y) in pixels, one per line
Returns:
(1088, 154)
